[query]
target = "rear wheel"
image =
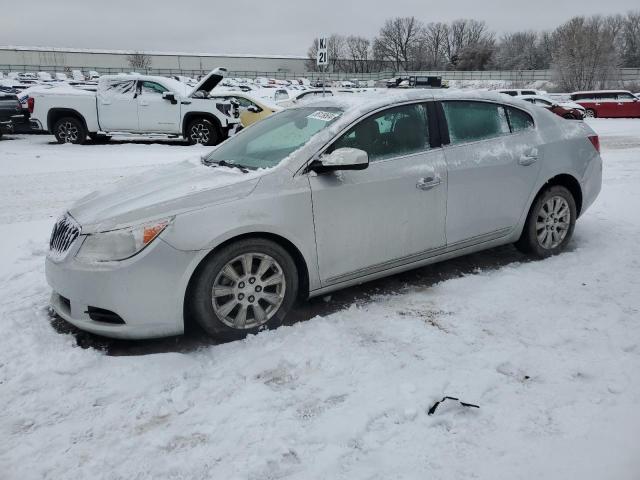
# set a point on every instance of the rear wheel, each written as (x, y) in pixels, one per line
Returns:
(550, 223)
(246, 287)
(569, 116)
(590, 113)
(70, 130)
(202, 131)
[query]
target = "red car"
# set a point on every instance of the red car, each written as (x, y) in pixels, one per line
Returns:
(609, 103)
(567, 110)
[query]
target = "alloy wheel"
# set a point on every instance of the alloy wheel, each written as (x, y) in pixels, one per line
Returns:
(248, 291)
(68, 132)
(553, 222)
(200, 133)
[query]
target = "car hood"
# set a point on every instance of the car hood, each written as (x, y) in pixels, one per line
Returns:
(209, 82)
(162, 193)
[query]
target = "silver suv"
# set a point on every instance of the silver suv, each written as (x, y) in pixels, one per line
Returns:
(316, 198)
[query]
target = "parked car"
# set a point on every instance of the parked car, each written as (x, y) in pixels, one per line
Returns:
(316, 198)
(137, 104)
(302, 96)
(608, 103)
(252, 109)
(11, 113)
(516, 92)
(565, 112)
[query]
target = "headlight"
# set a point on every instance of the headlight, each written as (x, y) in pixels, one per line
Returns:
(120, 244)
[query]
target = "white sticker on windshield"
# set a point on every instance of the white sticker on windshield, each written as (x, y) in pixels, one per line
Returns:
(324, 116)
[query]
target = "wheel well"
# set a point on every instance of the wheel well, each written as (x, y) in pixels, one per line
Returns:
(57, 113)
(191, 116)
(571, 184)
(298, 258)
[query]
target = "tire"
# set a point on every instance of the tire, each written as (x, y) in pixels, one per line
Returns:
(545, 236)
(202, 131)
(221, 315)
(569, 116)
(70, 130)
(590, 113)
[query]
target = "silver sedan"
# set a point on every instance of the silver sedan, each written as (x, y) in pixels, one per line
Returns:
(316, 198)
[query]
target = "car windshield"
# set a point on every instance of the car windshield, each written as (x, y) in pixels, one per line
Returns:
(271, 140)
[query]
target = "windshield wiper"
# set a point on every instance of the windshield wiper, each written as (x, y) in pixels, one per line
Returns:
(224, 163)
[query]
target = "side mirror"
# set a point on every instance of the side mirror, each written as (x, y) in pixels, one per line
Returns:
(170, 96)
(341, 159)
(254, 109)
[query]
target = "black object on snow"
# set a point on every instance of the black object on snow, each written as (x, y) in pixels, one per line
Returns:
(433, 408)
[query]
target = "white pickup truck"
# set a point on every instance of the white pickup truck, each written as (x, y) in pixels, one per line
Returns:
(139, 104)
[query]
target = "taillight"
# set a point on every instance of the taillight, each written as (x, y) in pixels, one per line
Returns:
(30, 103)
(595, 141)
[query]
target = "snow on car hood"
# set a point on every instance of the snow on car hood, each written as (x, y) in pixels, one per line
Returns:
(162, 193)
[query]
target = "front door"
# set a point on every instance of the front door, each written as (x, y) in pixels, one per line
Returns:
(392, 213)
(156, 114)
(117, 106)
(493, 161)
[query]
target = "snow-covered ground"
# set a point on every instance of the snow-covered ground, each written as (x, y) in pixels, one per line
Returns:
(549, 350)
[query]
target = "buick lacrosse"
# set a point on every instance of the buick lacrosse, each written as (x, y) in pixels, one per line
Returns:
(316, 198)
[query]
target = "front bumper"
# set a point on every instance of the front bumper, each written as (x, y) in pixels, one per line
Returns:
(146, 291)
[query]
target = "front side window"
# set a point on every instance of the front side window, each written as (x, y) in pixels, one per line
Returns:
(271, 140)
(152, 88)
(471, 121)
(391, 133)
(626, 97)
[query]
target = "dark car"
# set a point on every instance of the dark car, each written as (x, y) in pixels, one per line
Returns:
(11, 112)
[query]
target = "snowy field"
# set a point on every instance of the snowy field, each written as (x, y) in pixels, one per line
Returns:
(549, 350)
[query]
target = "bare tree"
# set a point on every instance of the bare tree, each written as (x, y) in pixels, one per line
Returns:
(357, 50)
(630, 40)
(520, 51)
(584, 55)
(463, 35)
(139, 60)
(398, 41)
(434, 38)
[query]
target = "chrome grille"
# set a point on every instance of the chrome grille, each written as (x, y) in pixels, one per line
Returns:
(65, 232)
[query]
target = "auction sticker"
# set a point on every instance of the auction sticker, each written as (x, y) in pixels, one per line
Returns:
(323, 116)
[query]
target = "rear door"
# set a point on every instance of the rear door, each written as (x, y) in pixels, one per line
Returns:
(156, 114)
(607, 105)
(390, 214)
(493, 163)
(117, 106)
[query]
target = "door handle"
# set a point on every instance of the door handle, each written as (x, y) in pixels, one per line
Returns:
(143, 104)
(427, 183)
(105, 102)
(527, 160)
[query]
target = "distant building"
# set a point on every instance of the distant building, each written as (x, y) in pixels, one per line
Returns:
(49, 59)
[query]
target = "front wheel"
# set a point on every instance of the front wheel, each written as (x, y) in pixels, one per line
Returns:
(245, 287)
(70, 130)
(550, 223)
(202, 131)
(569, 116)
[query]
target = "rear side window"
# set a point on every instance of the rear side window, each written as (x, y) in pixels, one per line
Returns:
(473, 121)
(528, 92)
(519, 120)
(391, 133)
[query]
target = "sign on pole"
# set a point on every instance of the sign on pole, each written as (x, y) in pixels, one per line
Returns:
(322, 58)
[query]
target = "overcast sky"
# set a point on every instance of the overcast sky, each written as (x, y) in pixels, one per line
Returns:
(261, 27)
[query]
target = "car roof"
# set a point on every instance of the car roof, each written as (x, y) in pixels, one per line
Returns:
(601, 91)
